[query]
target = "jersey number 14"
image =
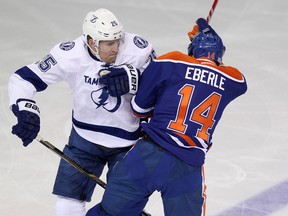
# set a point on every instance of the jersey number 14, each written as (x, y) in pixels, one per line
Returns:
(203, 114)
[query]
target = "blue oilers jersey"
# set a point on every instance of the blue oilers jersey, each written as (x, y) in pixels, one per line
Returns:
(97, 117)
(185, 98)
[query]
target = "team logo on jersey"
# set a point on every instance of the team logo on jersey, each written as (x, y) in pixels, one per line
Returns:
(101, 98)
(67, 45)
(140, 42)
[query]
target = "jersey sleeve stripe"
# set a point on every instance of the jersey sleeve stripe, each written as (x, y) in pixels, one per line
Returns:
(28, 75)
(138, 111)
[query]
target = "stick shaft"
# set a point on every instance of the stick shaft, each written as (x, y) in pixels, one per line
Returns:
(76, 165)
(212, 10)
(71, 161)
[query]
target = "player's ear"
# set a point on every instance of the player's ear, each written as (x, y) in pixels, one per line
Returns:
(90, 41)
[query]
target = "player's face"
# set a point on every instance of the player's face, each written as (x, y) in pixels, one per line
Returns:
(108, 50)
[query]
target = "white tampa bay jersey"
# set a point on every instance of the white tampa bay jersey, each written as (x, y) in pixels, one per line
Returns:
(97, 117)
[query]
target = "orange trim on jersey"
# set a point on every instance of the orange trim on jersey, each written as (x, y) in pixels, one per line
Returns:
(141, 115)
(187, 139)
(204, 195)
(178, 56)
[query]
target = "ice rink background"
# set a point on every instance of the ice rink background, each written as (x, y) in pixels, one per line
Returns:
(246, 170)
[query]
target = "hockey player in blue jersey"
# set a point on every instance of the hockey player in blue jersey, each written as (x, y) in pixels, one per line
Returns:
(103, 127)
(185, 96)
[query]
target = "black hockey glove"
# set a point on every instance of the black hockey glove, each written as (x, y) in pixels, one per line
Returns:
(28, 125)
(120, 80)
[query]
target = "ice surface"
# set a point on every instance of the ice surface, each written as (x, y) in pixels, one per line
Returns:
(246, 165)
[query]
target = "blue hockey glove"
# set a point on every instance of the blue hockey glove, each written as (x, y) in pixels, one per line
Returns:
(28, 125)
(120, 80)
(201, 26)
(204, 26)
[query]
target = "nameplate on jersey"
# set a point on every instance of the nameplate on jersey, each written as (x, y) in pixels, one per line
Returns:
(206, 76)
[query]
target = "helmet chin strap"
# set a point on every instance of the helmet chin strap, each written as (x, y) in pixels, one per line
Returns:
(96, 53)
(93, 52)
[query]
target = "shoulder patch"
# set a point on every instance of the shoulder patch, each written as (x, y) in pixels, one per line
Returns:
(66, 46)
(140, 42)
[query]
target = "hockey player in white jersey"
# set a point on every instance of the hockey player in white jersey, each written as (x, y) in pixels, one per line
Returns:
(103, 128)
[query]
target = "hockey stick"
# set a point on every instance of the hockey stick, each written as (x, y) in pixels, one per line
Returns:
(212, 10)
(76, 165)
(70, 161)
(195, 31)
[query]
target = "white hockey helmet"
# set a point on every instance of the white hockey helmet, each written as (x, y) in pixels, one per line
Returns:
(102, 25)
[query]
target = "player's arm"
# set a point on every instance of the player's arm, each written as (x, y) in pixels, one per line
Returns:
(24, 83)
(150, 83)
(22, 86)
(24, 108)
